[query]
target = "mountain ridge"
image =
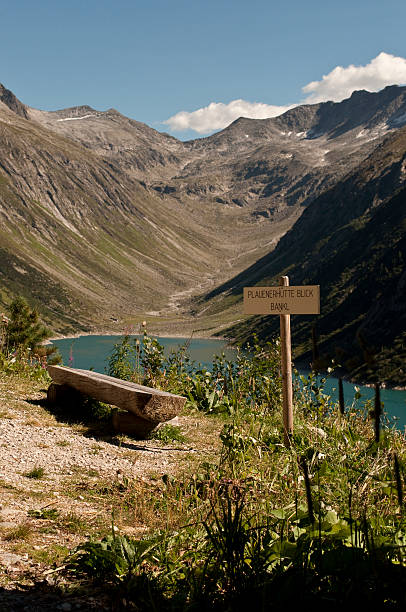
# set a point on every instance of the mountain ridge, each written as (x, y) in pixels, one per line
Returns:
(111, 218)
(214, 167)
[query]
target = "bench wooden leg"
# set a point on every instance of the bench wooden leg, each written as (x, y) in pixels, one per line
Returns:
(54, 393)
(129, 423)
(62, 394)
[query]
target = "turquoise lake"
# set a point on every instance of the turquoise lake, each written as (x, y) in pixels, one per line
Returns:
(93, 352)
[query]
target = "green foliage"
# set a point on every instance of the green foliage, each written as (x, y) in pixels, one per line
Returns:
(266, 526)
(45, 513)
(168, 433)
(113, 558)
(135, 361)
(21, 338)
(121, 563)
(36, 473)
(152, 359)
(124, 359)
(313, 398)
(22, 363)
(254, 376)
(24, 328)
(203, 394)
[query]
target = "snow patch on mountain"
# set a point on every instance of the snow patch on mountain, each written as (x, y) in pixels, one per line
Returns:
(77, 118)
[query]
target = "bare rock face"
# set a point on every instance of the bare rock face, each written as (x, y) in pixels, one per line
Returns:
(267, 165)
(13, 103)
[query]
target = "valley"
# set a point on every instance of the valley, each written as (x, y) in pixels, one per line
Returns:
(105, 222)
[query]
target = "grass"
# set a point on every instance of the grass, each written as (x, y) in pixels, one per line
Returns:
(36, 473)
(63, 443)
(168, 433)
(75, 523)
(260, 519)
(20, 532)
(242, 519)
(49, 556)
(45, 514)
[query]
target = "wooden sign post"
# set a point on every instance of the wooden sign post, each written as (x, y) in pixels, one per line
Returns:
(286, 363)
(284, 301)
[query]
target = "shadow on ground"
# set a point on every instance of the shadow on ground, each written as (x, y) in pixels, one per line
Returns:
(96, 418)
(45, 597)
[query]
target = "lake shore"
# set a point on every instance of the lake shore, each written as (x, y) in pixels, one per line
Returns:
(121, 334)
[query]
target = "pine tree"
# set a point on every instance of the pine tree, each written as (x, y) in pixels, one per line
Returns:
(26, 331)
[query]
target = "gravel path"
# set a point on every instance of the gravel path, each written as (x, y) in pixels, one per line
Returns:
(60, 451)
(75, 466)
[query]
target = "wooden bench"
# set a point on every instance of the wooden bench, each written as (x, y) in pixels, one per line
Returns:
(145, 407)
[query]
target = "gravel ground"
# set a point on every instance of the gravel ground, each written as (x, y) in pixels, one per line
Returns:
(61, 451)
(31, 437)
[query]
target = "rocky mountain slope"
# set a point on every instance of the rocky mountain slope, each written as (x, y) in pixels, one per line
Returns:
(269, 165)
(103, 217)
(351, 241)
(85, 241)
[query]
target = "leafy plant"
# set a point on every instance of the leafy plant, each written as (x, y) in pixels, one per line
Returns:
(124, 359)
(20, 532)
(152, 359)
(44, 513)
(112, 558)
(168, 433)
(203, 395)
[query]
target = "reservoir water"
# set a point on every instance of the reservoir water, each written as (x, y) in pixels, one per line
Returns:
(92, 352)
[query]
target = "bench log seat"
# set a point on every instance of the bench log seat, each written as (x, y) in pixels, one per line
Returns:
(147, 407)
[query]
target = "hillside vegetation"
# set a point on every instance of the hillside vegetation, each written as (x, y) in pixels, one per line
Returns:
(87, 243)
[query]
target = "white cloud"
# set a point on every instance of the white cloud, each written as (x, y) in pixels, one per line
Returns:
(218, 115)
(383, 70)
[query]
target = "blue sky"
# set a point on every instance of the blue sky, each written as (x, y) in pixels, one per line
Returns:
(152, 60)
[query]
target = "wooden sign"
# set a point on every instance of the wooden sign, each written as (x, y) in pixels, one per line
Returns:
(284, 300)
(288, 300)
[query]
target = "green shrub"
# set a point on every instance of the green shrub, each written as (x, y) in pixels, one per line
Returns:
(125, 359)
(168, 433)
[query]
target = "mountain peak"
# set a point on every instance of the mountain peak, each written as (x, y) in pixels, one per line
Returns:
(360, 93)
(75, 111)
(12, 102)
